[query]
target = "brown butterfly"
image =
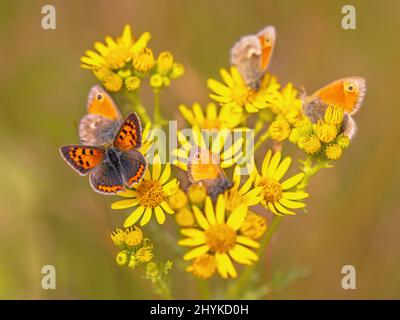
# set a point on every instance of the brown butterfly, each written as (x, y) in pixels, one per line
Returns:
(100, 125)
(115, 167)
(347, 93)
(204, 169)
(252, 54)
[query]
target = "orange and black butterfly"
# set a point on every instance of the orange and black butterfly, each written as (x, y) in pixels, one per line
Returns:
(100, 125)
(347, 93)
(111, 168)
(204, 169)
(252, 54)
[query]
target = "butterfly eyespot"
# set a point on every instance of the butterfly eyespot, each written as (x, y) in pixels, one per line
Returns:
(197, 155)
(99, 97)
(349, 87)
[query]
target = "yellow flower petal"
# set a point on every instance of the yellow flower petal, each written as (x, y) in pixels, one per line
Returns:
(282, 209)
(239, 258)
(220, 209)
(198, 112)
(166, 174)
(282, 168)
(272, 208)
(273, 164)
(171, 187)
(166, 207)
(146, 217)
(197, 252)
(218, 87)
(227, 78)
(209, 210)
(159, 215)
(128, 193)
(297, 195)
(291, 182)
(245, 252)
(237, 217)
(192, 232)
(191, 242)
(123, 204)
(134, 217)
(291, 204)
(224, 264)
(201, 220)
(265, 163)
(156, 169)
(211, 111)
(247, 242)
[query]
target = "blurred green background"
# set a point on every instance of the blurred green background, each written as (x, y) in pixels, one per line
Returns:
(50, 215)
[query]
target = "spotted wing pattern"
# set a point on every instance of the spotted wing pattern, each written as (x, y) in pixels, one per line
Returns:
(129, 135)
(82, 158)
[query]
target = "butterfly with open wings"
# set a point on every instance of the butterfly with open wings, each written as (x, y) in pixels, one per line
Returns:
(114, 167)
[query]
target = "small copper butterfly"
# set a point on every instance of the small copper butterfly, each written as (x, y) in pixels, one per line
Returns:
(252, 54)
(203, 168)
(347, 93)
(115, 167)
(103, 120)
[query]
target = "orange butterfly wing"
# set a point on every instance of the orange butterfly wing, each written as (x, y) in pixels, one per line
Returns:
(338, 93)
(203, 166)
(129, 135)
(100, 102)
(82, 158)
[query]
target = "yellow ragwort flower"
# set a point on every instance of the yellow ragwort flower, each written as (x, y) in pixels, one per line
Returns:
(149, 196)
(204, 266)
(197, 193)
(212, 118)
(254, 226)
(286, 104)
(144, 254)
(244, 195)
(310, 144)
(143, 61)
(184, 217)
(223, 153)
(178, 200)
(218, 236)
(115, 53)
(113, 82)
(334, 115)
(343, 141)
(235, 94)
(134, 236)
(333, 152)
(132, 83)
(165, 62)
(325, 132)
(279, 130)
(177, 70)
(121, 258)
(279, 196)
(156, 81)
(118, 237)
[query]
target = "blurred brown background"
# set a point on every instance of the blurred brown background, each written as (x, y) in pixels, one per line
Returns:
(49, 215)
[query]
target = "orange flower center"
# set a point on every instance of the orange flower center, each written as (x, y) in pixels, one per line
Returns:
(272, 190)
(150, 193)
(220, 238)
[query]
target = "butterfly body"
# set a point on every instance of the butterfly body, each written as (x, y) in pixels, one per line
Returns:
(252, 54)
(111, 168)
(204, 169)
(347, 93)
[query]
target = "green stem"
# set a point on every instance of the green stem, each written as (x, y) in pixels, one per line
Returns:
(246, 275)
(138, 106)
(310, 170)
(261, 140)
